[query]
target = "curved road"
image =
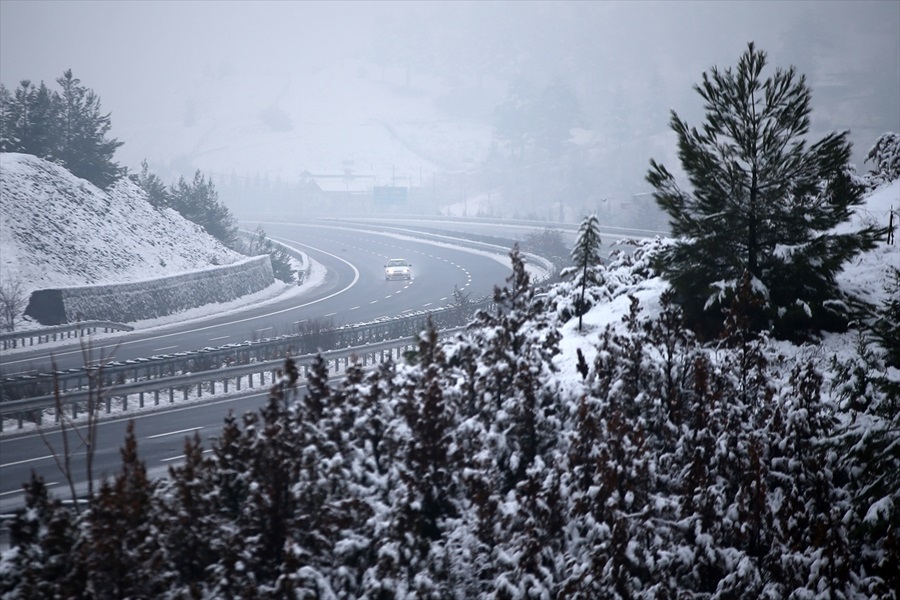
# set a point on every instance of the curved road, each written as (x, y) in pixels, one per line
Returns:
(354, 290)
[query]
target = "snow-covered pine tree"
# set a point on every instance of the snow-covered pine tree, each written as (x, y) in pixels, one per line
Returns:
(586, 256)
(813, 551)
(231, 483)
(867, 387)
(761, 201)
(412, 552)
(268, 517)
(187, 521)
(885, 158)
(40, 562)
(513, 347)
(120, 553)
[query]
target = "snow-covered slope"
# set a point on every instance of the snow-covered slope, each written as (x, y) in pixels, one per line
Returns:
(867, 276)
(57, 230)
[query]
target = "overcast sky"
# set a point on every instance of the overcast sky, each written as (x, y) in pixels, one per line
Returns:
(138, 56)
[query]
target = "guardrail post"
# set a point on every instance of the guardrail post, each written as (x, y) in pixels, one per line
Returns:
(185, 393)
(155, 397)
(171, 395)
(238, 382)
(108, 405)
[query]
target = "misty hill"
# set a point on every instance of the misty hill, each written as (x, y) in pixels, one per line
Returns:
(348, 115)
(57, 230)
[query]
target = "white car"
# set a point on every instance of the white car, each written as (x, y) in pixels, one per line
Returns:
(397, 268)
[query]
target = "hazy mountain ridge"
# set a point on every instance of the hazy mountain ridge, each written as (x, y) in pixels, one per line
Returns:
(281, 125)
(57, 230)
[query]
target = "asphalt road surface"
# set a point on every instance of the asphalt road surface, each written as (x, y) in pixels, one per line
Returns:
(353, 291)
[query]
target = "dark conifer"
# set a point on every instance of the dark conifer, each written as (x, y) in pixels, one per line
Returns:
(761, 202)
(121, 555)
(82, 145)
(586, 255)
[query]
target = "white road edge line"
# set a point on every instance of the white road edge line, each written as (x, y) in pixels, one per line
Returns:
(159, 435)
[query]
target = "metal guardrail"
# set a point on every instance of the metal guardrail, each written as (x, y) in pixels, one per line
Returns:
(218, 358)
(32, 409)
(58, 332)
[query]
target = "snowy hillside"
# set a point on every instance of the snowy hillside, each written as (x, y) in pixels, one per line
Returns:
(282, 125)
(57, 230)
(867, 277)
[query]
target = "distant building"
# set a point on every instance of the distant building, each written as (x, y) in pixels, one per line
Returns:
(336, 192)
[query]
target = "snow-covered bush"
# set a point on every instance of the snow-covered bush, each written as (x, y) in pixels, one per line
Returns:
(885, 158)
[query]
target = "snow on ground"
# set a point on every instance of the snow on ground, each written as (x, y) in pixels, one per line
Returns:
(865, 276)
(57, 230)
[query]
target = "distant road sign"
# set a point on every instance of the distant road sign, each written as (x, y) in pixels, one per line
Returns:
(387, 195)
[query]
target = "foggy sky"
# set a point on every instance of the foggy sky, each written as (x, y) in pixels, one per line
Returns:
(137, 55)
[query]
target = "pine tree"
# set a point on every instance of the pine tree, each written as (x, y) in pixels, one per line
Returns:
(198, 202)
(423, 498)
(885, 158)
(42, 535)
(8, 139)
(82, 145)
(121, 553)
(156, 190)
(586, 255)
(188, 522)
(30, 120)
(762, 201)
(513, 347)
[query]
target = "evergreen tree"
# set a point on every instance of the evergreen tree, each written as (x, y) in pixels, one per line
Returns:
(188, 522)
(586, 255)
(282, 267)
(198, 202)
(41, 535)
(156, 190)
(513, 347)
(121, 554)
(8, 139)
(30, 121)
(423, 498)
(762, 201)
(82, 145)
(67, 128)
(885, 158)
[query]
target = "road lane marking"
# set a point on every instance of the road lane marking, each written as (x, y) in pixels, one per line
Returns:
(221, 337)
(21, 491)
(165, 348)
(27, 460)
(181, 456)
(373, 301)
(159, 435)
